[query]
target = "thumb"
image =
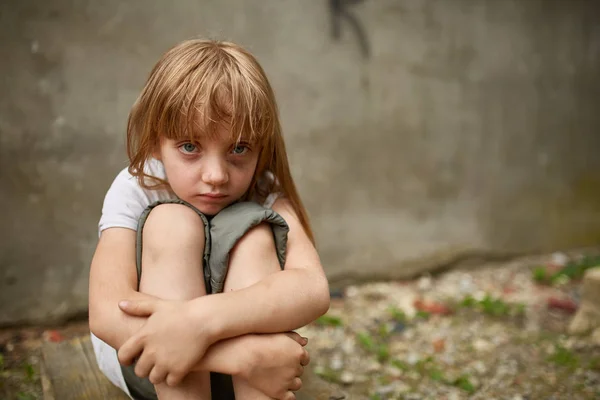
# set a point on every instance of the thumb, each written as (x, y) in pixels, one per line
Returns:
(137, 308)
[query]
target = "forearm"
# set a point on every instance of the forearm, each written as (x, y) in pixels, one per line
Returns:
(224, 356)
(111, 324)
(281, 302)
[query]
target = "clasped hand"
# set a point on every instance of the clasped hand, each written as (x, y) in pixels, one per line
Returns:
(170, 344)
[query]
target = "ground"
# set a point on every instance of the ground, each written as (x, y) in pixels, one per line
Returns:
(497, 331)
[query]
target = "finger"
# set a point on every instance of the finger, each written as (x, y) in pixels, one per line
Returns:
(129, 351)
(304, 358)
(174, 379)
(157, 375)
(299, 339)
(299, 371)
(143, 366)
(296, 384)
(289, 396)
(138, 308)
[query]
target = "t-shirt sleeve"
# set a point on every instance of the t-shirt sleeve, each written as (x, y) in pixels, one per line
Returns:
(124, 203)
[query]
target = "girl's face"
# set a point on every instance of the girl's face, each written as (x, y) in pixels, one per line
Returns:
(209, 173)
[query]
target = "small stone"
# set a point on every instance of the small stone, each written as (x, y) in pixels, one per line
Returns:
(563, 304)
(402, 387)
(412, 358)
(439, 345)
(479, 295)
(398, 327)
(351, 291)
(453, 396)
(596, 337)
(393, 372)
(480, 367)
(347, 377)
(385, 390)
(336, 362)
(424, 283)
(559, 259)
(348, 346)
(466, 285)
(481, 345)
(517, 397)
(373, 366)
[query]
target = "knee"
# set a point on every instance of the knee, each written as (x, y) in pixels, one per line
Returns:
(173, 223)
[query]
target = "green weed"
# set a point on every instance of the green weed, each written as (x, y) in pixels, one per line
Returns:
(564, 357)
(329, 320)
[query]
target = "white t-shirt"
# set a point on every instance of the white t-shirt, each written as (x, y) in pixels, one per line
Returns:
(123, 206)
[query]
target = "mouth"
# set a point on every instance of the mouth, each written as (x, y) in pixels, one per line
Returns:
(212, 196)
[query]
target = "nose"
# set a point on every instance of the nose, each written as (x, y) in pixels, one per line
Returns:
(215, 172)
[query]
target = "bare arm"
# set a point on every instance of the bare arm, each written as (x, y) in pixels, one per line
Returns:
(281, 302)
(113, 277)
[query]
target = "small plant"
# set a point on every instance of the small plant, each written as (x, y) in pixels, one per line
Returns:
(492, 306)
(574, 270)
(422, 315)
(384, 330)
(327, 374)
(563, 357)
(437, 375)
(370, 344)
(463, 382)
(366, 341)
(29, 371)
(397, 314)
(540, 274)
(468, 302)
(401, 365)
(1, 362)
(329, 320)
(383, 352)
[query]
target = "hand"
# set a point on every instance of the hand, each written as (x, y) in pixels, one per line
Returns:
(277, 363)
(169, 344)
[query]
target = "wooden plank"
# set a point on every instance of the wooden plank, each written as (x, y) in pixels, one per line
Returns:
(71, 373)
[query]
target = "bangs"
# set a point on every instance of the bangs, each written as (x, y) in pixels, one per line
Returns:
(219, 91)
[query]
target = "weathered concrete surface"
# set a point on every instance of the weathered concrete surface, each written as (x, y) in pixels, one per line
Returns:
(437, 129)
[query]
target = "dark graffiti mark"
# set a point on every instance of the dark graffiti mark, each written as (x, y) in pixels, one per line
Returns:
(339, 11)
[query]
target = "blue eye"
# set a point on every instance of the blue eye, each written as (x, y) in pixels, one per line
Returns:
(239, 149)
(188, 148)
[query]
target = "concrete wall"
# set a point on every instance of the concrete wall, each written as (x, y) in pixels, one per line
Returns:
(419, 130)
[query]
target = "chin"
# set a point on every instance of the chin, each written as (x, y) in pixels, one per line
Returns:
(210, 209)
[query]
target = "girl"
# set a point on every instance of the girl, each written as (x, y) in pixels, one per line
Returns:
(207, 206)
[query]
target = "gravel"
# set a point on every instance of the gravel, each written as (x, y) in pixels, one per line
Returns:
(485, 333)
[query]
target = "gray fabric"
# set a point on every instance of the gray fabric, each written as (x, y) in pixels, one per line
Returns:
(228, 227)
(222, 232)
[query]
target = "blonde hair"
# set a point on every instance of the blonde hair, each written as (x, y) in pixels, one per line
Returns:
(197, 85)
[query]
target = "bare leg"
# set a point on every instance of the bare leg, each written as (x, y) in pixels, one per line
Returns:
(173, 246)
(253, 258)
